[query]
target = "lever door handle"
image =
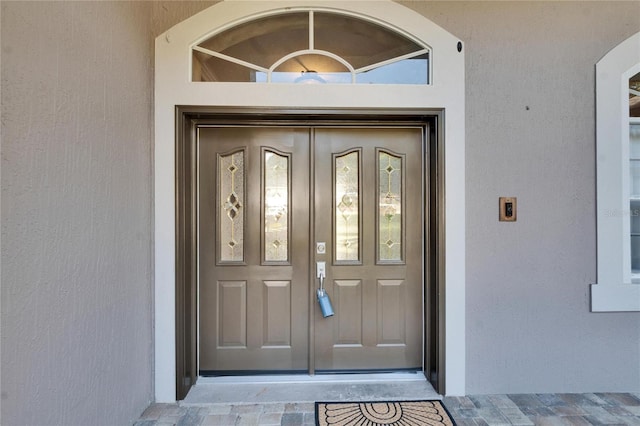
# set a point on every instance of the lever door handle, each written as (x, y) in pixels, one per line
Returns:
(321, 269)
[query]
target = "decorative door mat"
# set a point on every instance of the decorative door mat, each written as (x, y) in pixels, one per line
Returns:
(383, 413)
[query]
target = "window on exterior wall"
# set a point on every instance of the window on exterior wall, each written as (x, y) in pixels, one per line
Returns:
(618, 179)
(311, 47)
(634, 169)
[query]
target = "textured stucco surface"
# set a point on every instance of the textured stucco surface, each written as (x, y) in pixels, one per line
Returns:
(77, 91)
(77, 88)
(76, 213)
(530, 133)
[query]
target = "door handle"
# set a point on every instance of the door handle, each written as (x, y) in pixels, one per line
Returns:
(321, 269)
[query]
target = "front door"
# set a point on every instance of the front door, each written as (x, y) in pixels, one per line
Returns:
(272, 202)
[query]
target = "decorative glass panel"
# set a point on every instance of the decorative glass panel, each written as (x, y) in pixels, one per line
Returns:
(347, 207)
(276, 207)
(389, 207)
(231, 225)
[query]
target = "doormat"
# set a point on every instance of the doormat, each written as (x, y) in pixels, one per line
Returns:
(383, 413)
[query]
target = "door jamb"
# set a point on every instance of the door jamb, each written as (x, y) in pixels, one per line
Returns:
(187, 118)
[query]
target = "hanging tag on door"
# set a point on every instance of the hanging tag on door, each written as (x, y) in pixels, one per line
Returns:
(325, 303)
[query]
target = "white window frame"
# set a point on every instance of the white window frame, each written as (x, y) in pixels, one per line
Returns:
(615, 291)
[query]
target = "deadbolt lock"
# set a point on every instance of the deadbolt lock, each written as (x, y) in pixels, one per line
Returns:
(321, 248)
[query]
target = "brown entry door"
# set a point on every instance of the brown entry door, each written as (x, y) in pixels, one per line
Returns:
(266, 196)
(253, 239)
(368, 210)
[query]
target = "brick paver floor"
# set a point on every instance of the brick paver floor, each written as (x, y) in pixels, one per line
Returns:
(474, 410)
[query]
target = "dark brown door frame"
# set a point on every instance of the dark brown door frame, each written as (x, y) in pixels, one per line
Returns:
(187, 120)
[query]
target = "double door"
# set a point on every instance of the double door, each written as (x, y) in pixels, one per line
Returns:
(274, 204)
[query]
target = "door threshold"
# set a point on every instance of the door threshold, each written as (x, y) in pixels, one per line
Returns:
(302, 388)
(409, 376)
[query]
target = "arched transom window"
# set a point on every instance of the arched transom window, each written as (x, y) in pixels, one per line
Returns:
(311, 46)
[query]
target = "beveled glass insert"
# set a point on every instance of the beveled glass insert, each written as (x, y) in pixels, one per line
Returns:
(231, 217)
(276, 207)
(389, 207)
(347, 207)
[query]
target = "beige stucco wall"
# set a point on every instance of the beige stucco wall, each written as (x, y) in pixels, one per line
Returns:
(77, 131)
(77, 90)
(530, 133)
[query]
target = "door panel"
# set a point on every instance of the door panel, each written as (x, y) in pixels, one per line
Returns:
(253, 270)
(368, 205)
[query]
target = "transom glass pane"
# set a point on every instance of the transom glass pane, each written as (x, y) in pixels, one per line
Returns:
(231, 217)
(302, 69)
(276, 207)
(408, 71)
(210, 68)
(250, 51)
(347, 207)
(359, 42)
(263, 41)
(389, 207)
